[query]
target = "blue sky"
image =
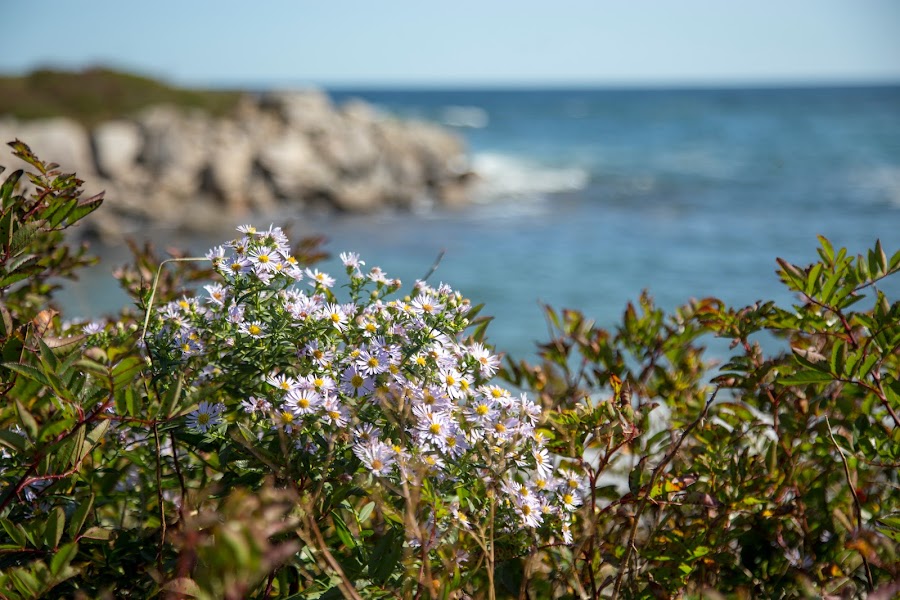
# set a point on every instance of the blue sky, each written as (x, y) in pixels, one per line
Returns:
(458, 42)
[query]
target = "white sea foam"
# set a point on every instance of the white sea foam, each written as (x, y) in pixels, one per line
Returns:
(502, 175)
(882, 182)
(473, 117)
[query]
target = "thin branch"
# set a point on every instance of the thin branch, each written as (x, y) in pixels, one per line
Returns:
(434, 265)
(629, 547)
(856, 503)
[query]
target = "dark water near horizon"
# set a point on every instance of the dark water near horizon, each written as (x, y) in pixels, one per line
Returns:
(590, 196)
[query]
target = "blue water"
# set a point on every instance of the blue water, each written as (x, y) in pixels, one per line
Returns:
(590, 196)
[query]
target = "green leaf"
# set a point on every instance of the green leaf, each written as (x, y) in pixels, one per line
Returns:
(80, 516)
(92, 367)
(343, 531)
(29, 372)
(806, 377)
(85, 207)
(365, 512)
(14, 531)
(9, 186)
(5, 321)
(62, 558)
(24, 235)
(56, 525)
(827, 251)
(47, 356)
(125, 371)
(27, 421)
(98, 432)
(385, 556)
(837, 358)
(97, 533)
(13, 440)
(58, 213)
(25, 583)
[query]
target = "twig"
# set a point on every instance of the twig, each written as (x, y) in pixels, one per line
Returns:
(156, 284)
(856, 503)
(159, 499)
(629, 547)
(434, 265)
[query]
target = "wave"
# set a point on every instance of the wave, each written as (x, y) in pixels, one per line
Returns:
(472, 117)
(504, 176)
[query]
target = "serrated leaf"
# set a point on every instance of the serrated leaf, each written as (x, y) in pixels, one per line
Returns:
(23, 236)
(85, 207)
(47, 356)
(12, 278)
(836, 362)
(9, 186)
(867, 365)
(58, 213)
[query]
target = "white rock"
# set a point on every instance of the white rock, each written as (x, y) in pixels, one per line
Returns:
(117, 146)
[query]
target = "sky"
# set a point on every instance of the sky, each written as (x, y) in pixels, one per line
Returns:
(232, 43)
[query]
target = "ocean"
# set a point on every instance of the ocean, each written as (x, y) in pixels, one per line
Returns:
(589, 196)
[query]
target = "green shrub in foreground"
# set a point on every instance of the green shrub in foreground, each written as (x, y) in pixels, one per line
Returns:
(276, 435)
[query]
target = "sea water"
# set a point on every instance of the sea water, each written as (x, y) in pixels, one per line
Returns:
(589, 196)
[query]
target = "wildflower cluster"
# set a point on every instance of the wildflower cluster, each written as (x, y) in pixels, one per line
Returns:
(386, 392)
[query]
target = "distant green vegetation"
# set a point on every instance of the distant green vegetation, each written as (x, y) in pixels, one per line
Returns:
(98, 94)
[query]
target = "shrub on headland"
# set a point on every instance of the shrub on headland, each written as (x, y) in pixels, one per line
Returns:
(273, 433)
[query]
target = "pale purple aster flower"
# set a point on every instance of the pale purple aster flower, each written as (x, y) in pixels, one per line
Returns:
(303, 402)
(282, 382)
(254, 405)
(376, 456)
(316, 277)
(94, 327)
(334, 413)
(206, 416)
(354, 383)
(351, 259)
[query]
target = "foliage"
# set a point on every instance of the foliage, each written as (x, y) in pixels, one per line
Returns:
(97, 94)
(253, 430)
(770, 475)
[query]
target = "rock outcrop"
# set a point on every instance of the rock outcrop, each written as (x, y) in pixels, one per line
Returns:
(281, 151)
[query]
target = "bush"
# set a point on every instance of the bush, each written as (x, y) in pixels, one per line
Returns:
(254, 430)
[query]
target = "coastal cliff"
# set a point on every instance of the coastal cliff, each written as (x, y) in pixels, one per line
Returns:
(292, 151)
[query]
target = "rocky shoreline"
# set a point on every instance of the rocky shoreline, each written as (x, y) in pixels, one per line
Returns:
(280, 151)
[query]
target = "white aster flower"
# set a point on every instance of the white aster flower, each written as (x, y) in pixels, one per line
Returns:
(206, 416)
